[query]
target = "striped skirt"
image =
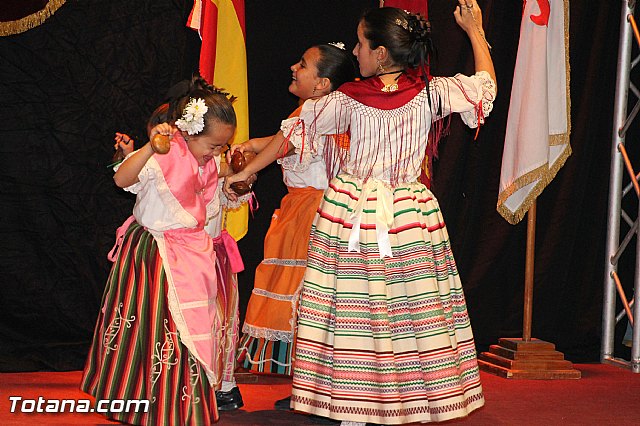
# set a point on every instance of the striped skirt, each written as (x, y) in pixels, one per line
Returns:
(383, 340)
(269, 326)
(136, 351)
(227, 310)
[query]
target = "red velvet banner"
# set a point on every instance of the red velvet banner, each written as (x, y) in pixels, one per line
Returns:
(413, 6)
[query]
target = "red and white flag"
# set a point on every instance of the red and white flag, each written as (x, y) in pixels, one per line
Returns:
(536, 144)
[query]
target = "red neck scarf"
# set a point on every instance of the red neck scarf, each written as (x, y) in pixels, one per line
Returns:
(369, 91)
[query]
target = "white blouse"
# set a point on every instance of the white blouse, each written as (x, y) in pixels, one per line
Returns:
(306, 165)
(389, 145)
(156, 209)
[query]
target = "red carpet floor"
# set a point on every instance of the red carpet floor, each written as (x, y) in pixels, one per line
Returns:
(605, 395)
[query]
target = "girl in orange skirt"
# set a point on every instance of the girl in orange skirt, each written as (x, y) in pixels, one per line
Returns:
(269, 327)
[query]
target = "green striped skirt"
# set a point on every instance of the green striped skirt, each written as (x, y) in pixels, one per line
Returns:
(265, 356)
(383, 340)
(136, 352)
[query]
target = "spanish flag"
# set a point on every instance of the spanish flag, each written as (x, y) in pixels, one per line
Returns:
(223, 62)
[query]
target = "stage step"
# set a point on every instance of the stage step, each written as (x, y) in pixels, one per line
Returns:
(532, 359)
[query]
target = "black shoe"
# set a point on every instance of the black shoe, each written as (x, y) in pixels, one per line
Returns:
(231, 400)
(283, 404)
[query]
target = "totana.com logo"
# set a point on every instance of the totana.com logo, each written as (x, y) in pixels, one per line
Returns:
(42, 405)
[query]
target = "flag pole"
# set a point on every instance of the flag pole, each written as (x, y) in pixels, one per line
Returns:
(528, 273)
(527, 358)
(522, 179)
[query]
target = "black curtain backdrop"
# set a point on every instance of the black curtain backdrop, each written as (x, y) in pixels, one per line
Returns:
(95, 68)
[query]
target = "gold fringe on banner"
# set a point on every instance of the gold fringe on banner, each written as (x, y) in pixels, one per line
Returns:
(30, 21)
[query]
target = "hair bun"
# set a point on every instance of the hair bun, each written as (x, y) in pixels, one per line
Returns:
(418, 27)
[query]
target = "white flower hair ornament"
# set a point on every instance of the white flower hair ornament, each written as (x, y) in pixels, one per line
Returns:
(338, 44)
(192, 120)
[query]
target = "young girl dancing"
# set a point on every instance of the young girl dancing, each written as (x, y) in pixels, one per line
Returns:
(158, 333)
(269, 326)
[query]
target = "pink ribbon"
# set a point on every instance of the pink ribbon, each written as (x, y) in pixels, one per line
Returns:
(233, 253)
(253, 203)
(119, 238)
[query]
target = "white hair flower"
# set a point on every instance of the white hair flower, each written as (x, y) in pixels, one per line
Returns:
(192, 120)
(338, 44)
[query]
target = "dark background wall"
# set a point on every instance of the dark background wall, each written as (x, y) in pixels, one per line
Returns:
(99, 67)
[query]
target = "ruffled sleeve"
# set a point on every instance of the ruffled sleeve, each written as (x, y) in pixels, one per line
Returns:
(229, 204)
(471, 96)
(301, 158)
(146, 174)
(220, 200)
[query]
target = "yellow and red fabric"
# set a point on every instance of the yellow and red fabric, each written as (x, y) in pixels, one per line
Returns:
(223, 62)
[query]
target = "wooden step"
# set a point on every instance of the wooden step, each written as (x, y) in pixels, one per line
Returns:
(532, 359)
(511, 354)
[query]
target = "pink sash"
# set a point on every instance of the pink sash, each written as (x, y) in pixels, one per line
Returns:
(233, 253)
(120, 238)
(191, 257)
(190, 254)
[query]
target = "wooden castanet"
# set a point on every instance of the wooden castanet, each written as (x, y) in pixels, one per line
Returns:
(239, 161)
(240, 188)
(161, 144)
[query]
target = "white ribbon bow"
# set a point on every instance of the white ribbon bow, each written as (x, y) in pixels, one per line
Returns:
(384, 217)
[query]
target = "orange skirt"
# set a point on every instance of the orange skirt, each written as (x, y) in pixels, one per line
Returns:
(270, 321)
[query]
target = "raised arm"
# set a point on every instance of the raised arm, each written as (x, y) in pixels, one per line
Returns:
(129, 170)
(469, 16)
